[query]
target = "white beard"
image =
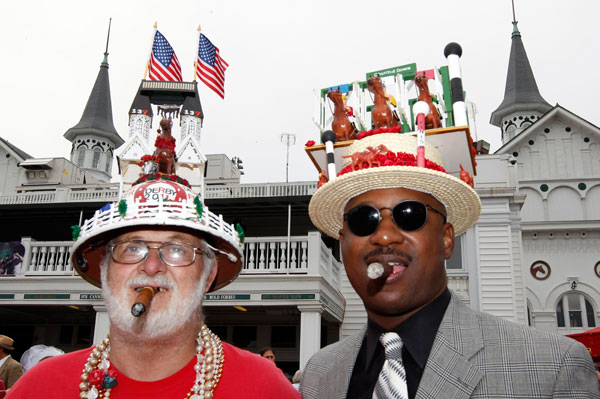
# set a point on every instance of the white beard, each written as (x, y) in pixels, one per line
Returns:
(178, 312)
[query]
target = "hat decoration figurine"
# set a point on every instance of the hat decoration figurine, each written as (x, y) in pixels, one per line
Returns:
(421, 109)
(432, 116)
(382, 116)
(341, 124)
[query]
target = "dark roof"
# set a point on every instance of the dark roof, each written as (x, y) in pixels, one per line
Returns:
(521, 92)
(141, 102)
(97, 117)
(191, 104)
(22, 154)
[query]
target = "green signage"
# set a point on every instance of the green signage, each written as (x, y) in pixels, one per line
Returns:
(7, 296)
(227, 297)
(287, 296)
(91, 296)
(407, 71)
(47, 296)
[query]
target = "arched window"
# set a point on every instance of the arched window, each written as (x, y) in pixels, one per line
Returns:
(96, 159)
(81, 156)
(574, 311)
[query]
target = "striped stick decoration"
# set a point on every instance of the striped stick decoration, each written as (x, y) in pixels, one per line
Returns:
(452, 52)
(328, 138)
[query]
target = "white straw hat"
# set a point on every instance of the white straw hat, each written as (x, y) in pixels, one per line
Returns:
(399, 170)
(158, 204)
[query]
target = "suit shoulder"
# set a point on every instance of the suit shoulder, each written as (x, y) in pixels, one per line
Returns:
(494, 327)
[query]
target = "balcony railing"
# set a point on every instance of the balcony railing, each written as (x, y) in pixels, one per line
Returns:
(110, 192)
(260, 190)
(262, 256)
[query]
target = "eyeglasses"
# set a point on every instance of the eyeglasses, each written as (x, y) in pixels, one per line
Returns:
(363, 220)
(171, 253)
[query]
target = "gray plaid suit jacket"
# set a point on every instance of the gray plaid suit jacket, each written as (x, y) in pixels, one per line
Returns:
(474, 355)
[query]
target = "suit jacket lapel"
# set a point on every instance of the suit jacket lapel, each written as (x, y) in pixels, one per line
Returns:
(342, 372)
(449, 372)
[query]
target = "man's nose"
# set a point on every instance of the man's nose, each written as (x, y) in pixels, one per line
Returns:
(153, 264)
(387, 232)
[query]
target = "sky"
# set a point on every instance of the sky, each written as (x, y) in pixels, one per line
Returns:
(279, 53)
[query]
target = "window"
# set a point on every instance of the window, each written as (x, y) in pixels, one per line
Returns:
(575, 311)
(81, 157)
(244, 336)
(283, 336)
(96, 159)
(455, 261)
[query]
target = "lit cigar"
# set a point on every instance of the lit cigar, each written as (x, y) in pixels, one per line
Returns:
(142, 301)
(375, 270)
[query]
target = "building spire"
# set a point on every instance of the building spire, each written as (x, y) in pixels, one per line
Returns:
(107, 39)
(96, 131)
(521, 94)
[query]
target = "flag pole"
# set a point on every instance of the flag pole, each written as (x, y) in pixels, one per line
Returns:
(196, 54)
(150, 52)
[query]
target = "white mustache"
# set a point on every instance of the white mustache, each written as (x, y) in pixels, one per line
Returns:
(160, 281)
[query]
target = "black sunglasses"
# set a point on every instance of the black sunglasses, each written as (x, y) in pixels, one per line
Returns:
(363, 220)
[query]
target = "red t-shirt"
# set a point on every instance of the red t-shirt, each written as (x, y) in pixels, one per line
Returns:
(244, 375)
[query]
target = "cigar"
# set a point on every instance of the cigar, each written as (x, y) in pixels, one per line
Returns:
(376, 270)
(142, 301)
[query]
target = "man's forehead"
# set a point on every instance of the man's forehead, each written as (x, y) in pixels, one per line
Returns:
(159, 235)
(400, 192)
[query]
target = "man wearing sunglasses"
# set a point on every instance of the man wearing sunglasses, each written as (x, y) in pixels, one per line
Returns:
(396, 224)
(155, 254)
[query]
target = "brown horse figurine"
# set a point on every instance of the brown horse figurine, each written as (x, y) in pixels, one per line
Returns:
(381, 116)
(165, 148)
(341, 124)
(432, 119)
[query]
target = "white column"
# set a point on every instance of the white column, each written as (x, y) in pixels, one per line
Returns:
(310, 331)
(102, 324)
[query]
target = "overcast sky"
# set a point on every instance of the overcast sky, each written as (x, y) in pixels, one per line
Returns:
(278, 52)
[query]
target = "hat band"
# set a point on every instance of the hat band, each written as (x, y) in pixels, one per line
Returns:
(388, 159)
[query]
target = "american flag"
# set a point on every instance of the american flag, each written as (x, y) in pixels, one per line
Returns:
(210, 67)
(164, 64)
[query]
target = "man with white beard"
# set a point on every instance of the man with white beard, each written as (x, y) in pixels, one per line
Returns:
(155, 254)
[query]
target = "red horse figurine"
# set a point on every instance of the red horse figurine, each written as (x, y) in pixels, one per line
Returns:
(466, 176)
(369, 157)
(432, 119)
(381, 116)
(341, 124)
(165, 148)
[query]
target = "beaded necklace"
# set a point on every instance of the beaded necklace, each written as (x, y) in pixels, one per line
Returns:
(97, 379)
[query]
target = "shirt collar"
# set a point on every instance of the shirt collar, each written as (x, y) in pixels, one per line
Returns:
(4, 359)
(417, 332)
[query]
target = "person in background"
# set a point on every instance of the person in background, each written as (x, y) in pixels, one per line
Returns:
(296, 379)
(268, 354)
(10, 369)
(36, 354)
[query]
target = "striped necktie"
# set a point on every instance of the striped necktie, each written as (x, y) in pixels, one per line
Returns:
(391, 383)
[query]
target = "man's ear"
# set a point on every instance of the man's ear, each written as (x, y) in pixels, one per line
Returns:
(211, 276)
(448, 238)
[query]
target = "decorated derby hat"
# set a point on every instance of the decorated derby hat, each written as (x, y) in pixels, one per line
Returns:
(388, 160)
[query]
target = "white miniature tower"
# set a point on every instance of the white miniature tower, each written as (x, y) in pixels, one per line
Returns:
(190, 160)
(138, 142)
